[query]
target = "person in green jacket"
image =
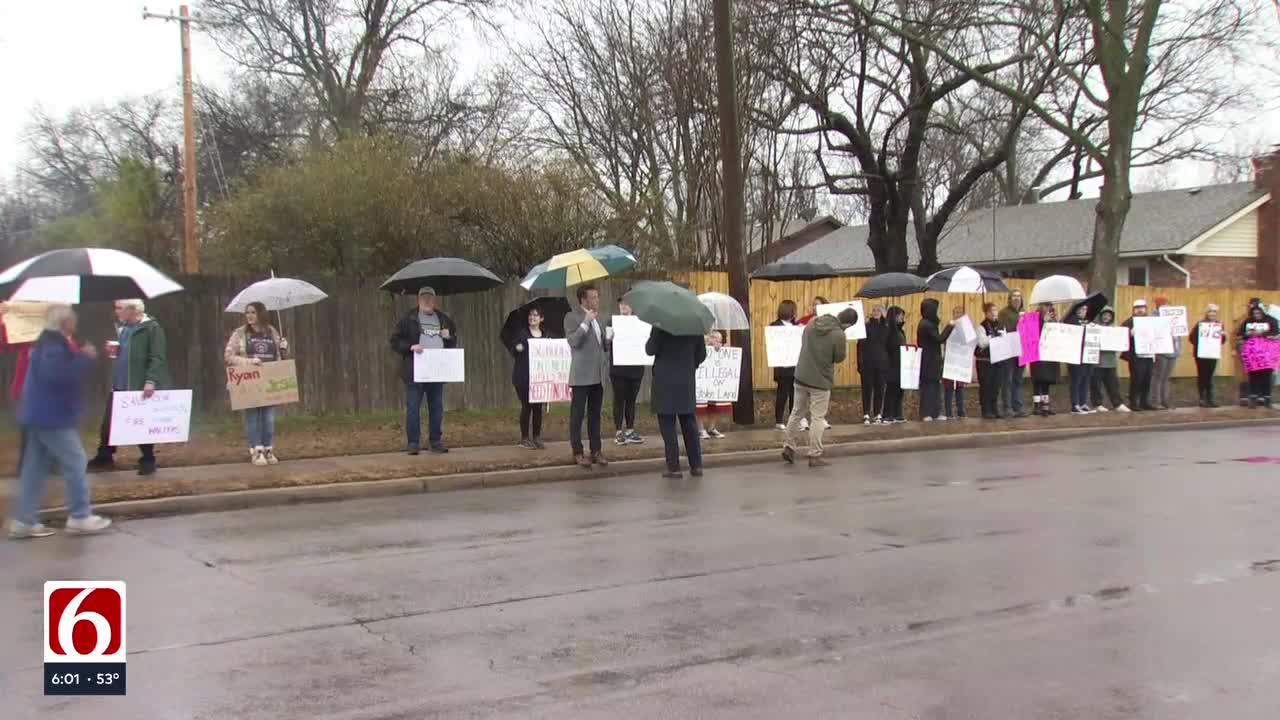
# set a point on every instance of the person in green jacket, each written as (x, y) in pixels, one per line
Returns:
(822, 345)
(139, 363)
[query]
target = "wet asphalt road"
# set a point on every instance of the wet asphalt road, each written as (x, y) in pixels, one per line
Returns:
(1127, 577)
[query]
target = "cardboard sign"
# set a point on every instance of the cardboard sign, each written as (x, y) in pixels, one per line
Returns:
(165, 417)
(1092, 345)
(1029, 337)
(1209, 340)
(718, 376)
(1258, 353)
(782, 345)
(439, 365)
(272, 383)
(1152, 336)
(1114, 339)
(1003, 347)
(957, 360)
(1060, 342)
(630, 334)
(909, 367)
(24, 321)
(1177, 315)
(857, 331)
(549, 362)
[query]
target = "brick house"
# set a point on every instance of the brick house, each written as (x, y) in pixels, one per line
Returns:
(1212, 236)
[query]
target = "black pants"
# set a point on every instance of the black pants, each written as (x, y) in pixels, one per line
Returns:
(930, 398)
(530, 414)
(105, 450)
(1140, 370)
(893, 402)
(989, 375)
(1105, 379)
(625, 392)
(1260, 384)
(587, 401)
(671, 442)
(784, 399)
(1204, 378)
(873, 392)
(1041, 390)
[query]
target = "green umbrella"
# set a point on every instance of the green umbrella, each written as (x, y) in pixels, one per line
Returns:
(669, 307)
(577, 267)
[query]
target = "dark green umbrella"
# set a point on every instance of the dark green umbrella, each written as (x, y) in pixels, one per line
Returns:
(669, 307)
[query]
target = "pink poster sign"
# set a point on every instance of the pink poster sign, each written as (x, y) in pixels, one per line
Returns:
(1029, 335)
(1260, 354)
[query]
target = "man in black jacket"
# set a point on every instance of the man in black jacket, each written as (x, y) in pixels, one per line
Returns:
(423, 328)
(873, 363)
(1140, 366)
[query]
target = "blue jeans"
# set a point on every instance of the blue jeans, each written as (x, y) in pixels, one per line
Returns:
(43, 450)
(1011, 388)
(260, 426)
(434, 394)
(953, 392)
(1080, 375)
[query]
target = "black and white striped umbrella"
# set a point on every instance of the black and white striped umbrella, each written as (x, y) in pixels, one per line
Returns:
(965, 279)
(84, 275)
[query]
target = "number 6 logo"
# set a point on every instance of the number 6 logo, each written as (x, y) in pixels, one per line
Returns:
(84, 620)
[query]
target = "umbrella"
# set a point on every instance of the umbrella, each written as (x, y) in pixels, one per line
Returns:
(728, 312)
(893, 285)
(669, 307)
(781, 271)
(965, 279)
(277, 293)
(445, 275)
(84, 275)
(1057, 289)
(553, 310)
(1094, 303)
(577, 267)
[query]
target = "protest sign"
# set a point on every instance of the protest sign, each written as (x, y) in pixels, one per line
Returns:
(630, 334)
(1029, 337)
(1258, 353)
(165, 417)
(23, 321)
(272, 383)
(1209, 341)
(549, 362)
(1177, 315)
(782, 345)
(957, 361)
(1152, 336)
(1060, 342)
(909, 367)
(857, 331)
(1092, 345)
(439, 365)
(718, 376)
(1005, 346)
(1114, 339)
(964, 326)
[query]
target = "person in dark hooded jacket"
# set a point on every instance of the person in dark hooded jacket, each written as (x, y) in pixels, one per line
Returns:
(873, 363)
(1104, 375)
(894, 338)
(930, 337)
(1044, 375)
(1258, 327)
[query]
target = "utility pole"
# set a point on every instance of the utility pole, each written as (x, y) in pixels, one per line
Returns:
(190, 247)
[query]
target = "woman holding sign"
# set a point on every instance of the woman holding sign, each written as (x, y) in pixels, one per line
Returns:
(1208, 331)
(254, 343)
(894, 340)
(1044, 375)
(530, 413)
(626, 381)
(1258, 341)
(784, 377)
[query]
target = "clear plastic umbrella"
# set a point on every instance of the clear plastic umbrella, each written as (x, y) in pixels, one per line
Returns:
(728, 312)
(1057, 289)
(276, 294)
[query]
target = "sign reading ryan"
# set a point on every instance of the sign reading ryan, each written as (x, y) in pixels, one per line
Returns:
(272, 383)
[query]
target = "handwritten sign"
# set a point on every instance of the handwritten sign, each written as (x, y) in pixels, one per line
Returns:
(1114, 339)
(1029, 336)
(964, 326)
(1092, 345)
(957, 361)
(439, 365)
(1259, 353)
(1177, 315)
(782, 345)
(549, 362)
(718, 376)
(630, 334)
(1152, 336)
(1003, 347)
(857, 331)
(273, 383)
(23, 321)
(909, 367)
(1209, 340)
(165, 417)
(1060, 342)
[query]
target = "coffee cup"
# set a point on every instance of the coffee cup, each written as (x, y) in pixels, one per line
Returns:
(112, 347)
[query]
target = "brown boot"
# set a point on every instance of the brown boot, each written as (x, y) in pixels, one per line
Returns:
(582, 461)
(599, 459)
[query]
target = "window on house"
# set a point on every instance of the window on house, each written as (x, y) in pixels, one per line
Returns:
(1137, 275)
(1020, 273)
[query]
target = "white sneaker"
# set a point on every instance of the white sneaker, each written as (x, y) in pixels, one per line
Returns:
(87, 525)
(270, 455)
(826, 425)
(1123, 408)
(866, 419)
(780, 427)
(257, 457)
(704, 435)
(928, 419)
(22, 531)
(804, 425)
(878, 420)
(1101, 408)
(715, 433)
(942, 417)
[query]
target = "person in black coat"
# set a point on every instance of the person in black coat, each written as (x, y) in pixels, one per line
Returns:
(530, 413)
(929, 338)
(895, 336)
(1140, 366)
(1044, 375)
(675, 364)
(784, 377)
(989, 375)
(873, 364)
(423, 328)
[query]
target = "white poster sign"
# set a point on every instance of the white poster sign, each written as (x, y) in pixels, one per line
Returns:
(1114, 339)
(1177, 315)
(719, 374)
(165, 417)
(909, 367)
(857, 331)
(630, 334)
(1209, 341)
(1152, 336)
(782, 345)
(1092, 345)
(549, 362)
(1060, 342)
(957, 360)
(964, 326)
(439, 365)
(1006, 346)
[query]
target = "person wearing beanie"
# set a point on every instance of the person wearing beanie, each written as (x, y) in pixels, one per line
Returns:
(1140, 366)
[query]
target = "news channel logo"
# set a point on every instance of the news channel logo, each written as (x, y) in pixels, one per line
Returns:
(84, 637)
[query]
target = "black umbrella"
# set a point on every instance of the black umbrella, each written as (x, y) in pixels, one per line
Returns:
(445, 275)
(1094, 303)
(965, 279)
(780, 271)
(553, 310)
(79, 275)
(893, 285)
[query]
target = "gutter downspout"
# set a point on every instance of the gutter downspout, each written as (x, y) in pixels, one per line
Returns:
(1185, 272)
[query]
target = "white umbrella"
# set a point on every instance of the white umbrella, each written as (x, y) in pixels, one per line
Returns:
(728, 312)
(277, 293)
(1057, 289)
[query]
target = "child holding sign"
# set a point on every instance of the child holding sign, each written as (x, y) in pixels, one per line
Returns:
(1206, 338)
(708, 412)
(254, 343)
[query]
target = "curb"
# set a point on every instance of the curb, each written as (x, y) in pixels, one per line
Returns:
(269, 497)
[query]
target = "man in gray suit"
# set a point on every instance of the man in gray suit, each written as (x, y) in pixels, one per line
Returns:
(590, 364)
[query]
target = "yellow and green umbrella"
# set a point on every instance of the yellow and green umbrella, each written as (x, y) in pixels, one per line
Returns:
(577, 267)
